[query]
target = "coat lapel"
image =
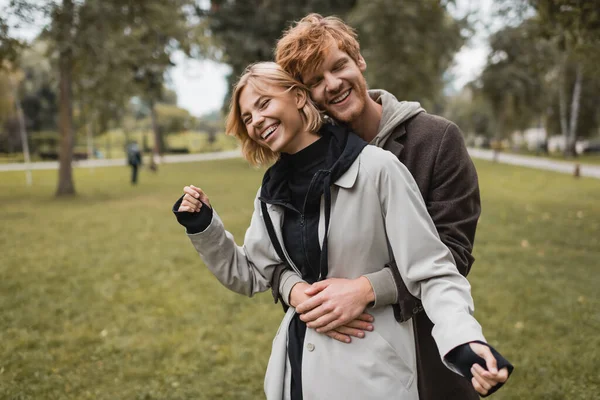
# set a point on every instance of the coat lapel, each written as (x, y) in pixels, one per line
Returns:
(393, 143)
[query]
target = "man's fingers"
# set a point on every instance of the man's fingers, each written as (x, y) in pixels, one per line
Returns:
(346, 330)
(316, 288)
(362, 325)
(365, 317)
(340, 337)
(307, 307)
(322, 321)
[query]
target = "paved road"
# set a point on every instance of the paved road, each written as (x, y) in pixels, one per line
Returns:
(592, 171)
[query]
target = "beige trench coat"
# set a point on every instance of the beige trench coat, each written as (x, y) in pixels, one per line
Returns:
(377, 214)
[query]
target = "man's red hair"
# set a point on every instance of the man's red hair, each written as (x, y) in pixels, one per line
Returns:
(303, 47)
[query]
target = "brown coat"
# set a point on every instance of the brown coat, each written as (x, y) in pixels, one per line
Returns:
(433, 150)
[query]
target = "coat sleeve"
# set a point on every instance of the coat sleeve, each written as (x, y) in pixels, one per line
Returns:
(425, 264)
(453, 202)
(245, 269)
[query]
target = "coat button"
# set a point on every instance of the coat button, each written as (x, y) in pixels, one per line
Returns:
(310, 347)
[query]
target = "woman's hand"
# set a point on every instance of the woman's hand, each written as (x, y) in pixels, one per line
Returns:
(192, 199)
(484, 380)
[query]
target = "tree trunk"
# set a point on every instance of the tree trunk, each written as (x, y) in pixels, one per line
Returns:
(65, 170)
(575, 111)
(155, 129)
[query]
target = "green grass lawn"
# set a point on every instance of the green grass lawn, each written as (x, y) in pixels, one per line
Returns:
(103, 297)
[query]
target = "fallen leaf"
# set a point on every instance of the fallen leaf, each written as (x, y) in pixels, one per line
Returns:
(519, 325)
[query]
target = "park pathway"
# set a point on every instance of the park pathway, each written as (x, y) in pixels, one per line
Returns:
(120, 162)
(591, 171)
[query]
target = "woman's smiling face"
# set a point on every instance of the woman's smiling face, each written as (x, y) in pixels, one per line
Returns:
(272, 117)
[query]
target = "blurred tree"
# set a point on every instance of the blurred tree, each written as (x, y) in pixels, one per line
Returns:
(471, 110)
(408, 46)
(514, 80)
(172, 119)
(246, 31)
(9, 124)
(9, 46)
(38, 88)
(574, 28)
(102, 48)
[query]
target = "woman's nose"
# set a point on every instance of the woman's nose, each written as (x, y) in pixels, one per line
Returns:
(257, 120)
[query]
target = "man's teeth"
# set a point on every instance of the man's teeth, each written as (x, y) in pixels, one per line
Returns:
(268, 132)
(341, 97)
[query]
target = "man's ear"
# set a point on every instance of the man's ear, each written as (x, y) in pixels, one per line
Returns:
(362, 64)
(300, 98)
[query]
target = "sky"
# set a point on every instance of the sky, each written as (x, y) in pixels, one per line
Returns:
(201, 86)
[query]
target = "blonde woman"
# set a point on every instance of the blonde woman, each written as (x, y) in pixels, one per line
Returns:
(333, 207)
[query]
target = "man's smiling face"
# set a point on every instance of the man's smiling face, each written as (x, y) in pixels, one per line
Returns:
(338, 85)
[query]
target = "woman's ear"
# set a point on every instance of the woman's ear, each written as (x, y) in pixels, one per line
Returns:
(300, 98)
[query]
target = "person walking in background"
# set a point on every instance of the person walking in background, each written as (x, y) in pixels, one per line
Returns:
(324, 54)
(333, 207)
(134, 159)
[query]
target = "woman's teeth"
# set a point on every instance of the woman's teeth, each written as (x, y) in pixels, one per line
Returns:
(270, 130)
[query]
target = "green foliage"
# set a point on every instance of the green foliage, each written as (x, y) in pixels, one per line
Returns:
(568, 30)
(471, 111)
(172, 119)
(408, 46)
(515, 78)
(108, 300)
(247, 31)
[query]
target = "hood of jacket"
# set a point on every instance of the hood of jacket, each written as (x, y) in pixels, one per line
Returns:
(393, 114)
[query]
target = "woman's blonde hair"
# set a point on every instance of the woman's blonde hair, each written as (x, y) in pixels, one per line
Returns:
(258, 76)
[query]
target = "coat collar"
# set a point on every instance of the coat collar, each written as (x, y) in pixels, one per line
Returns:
(348, 178)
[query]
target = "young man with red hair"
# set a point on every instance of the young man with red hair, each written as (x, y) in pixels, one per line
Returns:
(324, 54)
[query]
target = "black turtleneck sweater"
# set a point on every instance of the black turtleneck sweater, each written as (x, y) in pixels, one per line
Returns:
(301, 220)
